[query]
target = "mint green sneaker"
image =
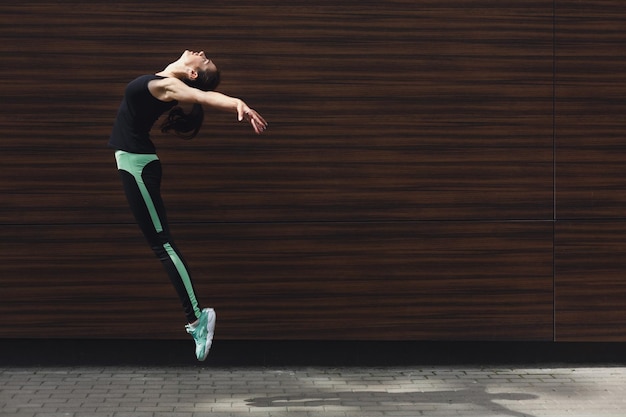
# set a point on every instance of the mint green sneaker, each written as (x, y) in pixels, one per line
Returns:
(202, 333)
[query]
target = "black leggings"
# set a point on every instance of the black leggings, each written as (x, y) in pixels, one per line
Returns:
(141, 177)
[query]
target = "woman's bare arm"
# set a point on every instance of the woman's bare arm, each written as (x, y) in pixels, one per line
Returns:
(170, 89)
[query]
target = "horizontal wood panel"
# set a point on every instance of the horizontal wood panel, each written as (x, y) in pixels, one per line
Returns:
(378, 111)
(326, 281)
(590, 108)
(589, 285)
(590, 86)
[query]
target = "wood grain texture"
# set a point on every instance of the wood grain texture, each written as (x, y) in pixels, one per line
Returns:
(589, 284)
(590, 174)
(404, 190)
(343, 281)
(378, 111)
(590, 108)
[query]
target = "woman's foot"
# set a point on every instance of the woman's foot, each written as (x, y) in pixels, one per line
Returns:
(202, 332)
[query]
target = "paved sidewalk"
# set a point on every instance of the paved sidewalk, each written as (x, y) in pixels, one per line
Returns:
(311, 392)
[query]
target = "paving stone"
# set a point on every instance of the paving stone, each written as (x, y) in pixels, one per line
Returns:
(312, 392)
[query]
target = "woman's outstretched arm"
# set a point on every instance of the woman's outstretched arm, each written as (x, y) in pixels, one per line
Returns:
(170, 89)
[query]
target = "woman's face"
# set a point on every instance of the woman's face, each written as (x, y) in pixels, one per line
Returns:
(198, 61)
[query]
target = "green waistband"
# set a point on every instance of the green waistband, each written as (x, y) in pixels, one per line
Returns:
(134, 162)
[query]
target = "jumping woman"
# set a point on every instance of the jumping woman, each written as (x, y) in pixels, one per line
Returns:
(191, 79)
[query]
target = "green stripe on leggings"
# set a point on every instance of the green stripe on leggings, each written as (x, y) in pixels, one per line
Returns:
(134, 164)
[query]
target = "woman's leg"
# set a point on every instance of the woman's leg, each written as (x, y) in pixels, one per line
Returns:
(141, 177)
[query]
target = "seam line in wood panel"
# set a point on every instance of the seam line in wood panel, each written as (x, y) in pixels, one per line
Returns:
(554, 133)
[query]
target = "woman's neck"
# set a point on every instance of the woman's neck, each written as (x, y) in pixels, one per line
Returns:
(173, 70)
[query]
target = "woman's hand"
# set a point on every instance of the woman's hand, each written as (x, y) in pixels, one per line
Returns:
(255, 119)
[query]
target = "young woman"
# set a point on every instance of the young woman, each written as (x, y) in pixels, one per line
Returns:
(190, 79)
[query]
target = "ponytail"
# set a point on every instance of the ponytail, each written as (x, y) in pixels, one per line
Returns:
(187, 125)
(184, 125)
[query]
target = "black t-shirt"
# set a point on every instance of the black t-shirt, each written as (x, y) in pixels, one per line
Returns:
(138, 111)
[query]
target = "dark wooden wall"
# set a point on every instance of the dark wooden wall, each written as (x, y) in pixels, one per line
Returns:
(434, 170)
(590, 238)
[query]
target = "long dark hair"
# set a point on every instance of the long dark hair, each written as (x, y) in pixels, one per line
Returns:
(187, 125)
